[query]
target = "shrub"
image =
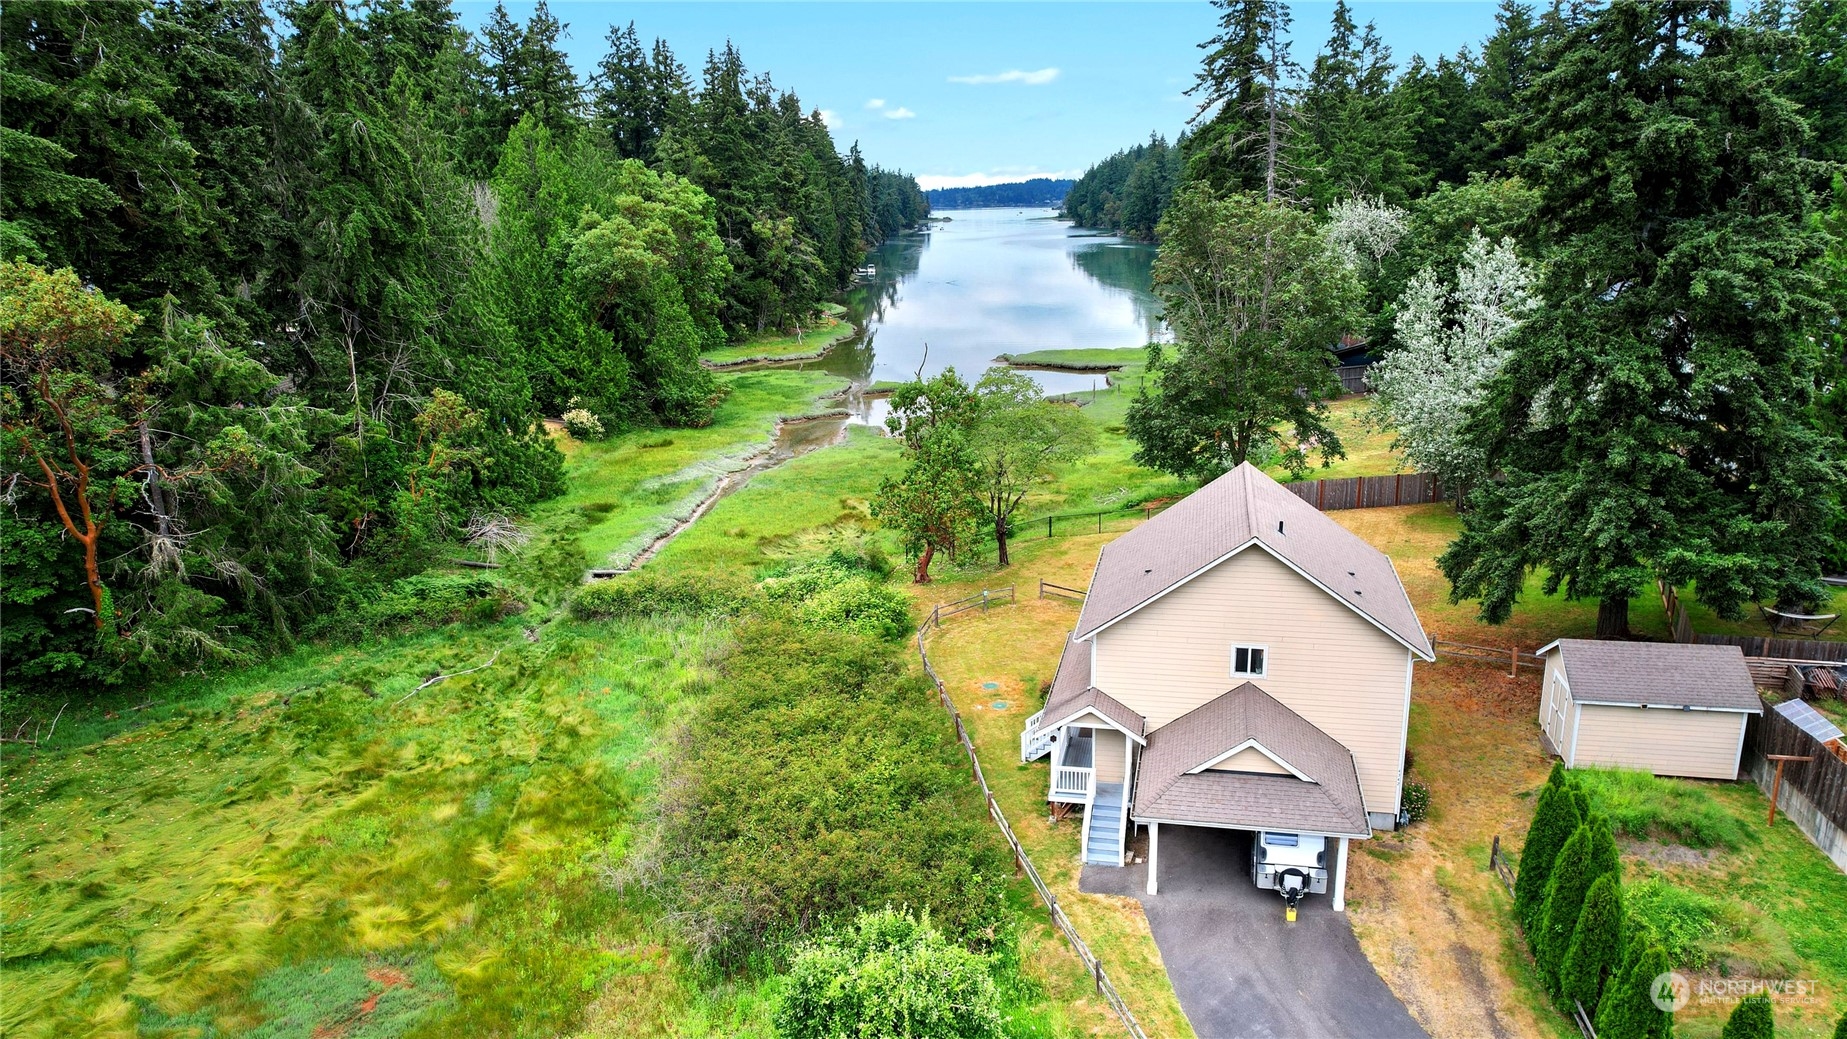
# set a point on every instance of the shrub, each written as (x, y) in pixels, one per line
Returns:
(1416, 801)
(636, 596)
(1686, 923)
(843, 593)
(871, 804)
(1555, 819)
(1840, 1027)
(1589, 854)
(890, 974)
(1628, 1009)
(1751, 1019)
(428, 600)
(1649, 807)
(583, 424)
(1596, 944)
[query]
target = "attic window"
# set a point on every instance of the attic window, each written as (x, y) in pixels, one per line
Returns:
(1249, 661)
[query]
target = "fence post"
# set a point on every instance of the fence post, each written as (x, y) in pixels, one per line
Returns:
(1100, 525)
(1398, 489)
(1048, 526)
(1513, 661)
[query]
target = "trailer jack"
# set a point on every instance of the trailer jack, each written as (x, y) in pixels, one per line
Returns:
(1292, 883)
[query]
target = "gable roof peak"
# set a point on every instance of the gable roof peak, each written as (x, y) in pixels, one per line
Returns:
(1241, 508)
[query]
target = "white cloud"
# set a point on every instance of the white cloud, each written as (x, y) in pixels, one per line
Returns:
(900, 112)
(832, 119)
(877, 102)
(1003, 175)
(1035, 78)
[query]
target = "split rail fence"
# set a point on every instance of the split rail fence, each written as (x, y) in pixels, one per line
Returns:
(1512, 656)
(1098, 975)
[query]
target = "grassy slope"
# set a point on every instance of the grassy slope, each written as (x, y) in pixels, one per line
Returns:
(302, 848)
(785, 346)
(631, 488)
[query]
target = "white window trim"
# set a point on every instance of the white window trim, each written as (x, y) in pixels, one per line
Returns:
(1232, 660)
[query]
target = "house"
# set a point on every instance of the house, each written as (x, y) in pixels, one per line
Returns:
(1241, 662)
(1670, 708)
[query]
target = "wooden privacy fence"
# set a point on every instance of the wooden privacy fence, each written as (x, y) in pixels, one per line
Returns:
(1353, 378)
(1812, 650)
(1369, 492)
(1676, 613)
(1098, 975)
(1512, 656)
(1823, 781)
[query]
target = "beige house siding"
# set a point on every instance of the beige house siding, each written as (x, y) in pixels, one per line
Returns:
(1250, 759)
(1324, 661)
(1109, 750)
(1665, 741)
(1555, 706)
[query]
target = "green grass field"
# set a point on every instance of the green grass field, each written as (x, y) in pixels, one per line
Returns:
(624, 492)
(786, 346)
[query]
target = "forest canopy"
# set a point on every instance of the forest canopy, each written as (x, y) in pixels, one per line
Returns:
(290, 286)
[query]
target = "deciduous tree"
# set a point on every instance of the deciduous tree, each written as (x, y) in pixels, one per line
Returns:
(1019, 439)
(1255, 298)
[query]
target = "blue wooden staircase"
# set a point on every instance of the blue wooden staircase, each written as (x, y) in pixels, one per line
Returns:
(1103, 827)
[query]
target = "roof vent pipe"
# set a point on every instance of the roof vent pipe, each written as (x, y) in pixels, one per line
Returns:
(1279, 528)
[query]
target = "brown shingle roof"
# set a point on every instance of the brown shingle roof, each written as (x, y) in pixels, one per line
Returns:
(1165, 790)
(1658, 673)
(1233, 510)
(1072, 692)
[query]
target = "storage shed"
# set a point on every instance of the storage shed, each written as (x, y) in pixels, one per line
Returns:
(1669, 708)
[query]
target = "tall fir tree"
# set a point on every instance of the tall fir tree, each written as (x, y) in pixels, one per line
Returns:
(1244, 136)
(1654, 419)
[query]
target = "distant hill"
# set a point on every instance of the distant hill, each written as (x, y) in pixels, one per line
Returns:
(1040, 192)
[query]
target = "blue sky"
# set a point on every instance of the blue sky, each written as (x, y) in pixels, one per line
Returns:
(972, 93)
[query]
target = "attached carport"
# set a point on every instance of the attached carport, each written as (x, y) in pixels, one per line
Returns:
(1243, 762)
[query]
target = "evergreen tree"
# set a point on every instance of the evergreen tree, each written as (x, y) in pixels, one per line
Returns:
(1628, 1009)
(1596, 948)
(1750, 1019)
(1654, 419)
(1244, 137)
(1356, 142)
(1588, 855)
(1555, 818)
(625, 104)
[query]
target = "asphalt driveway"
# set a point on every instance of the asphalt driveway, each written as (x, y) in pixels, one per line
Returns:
(1241, 971)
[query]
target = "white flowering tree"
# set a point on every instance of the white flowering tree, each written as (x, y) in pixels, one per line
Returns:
(1363, 231)
(1451, 341)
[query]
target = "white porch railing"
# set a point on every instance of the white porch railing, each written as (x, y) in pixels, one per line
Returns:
(1070, 783)
(1035, 744)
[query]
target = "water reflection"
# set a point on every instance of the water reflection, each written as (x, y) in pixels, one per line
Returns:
(992, 282)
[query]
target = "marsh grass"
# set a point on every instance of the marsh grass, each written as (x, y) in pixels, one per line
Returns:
(294, 834)
(624, 492)
(832, 328)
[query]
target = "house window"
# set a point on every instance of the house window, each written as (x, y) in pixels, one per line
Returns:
(1248, 661)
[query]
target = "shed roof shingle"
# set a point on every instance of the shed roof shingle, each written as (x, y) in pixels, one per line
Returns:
(1243, 506)
(1663, 674)
(1330, 803)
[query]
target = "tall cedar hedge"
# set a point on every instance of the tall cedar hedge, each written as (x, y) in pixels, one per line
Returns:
(1555, 819)
(1628, 1010)
(1589, 854)
(1596, 944)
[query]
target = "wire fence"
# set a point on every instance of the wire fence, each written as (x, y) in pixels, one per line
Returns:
(1098, 975)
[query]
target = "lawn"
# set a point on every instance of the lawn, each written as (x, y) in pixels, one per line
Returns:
(995, 665)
